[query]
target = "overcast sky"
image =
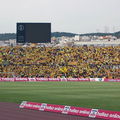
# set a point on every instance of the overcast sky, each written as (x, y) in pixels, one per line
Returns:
(77, 16)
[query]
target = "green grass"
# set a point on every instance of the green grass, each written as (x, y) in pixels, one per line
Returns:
(100, 95)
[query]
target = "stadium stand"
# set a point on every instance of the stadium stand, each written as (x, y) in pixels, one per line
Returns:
(56, 62)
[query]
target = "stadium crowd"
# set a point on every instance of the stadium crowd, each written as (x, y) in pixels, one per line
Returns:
(76, 62)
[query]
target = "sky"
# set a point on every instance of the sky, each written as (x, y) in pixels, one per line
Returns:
(76, 16)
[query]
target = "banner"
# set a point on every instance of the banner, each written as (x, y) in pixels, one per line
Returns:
(58, 79)
(84, 79)
(21, 79)
(110, 115)
(71, 110)
(73, 79)
(111, 80)
(97, 79)
(7, 79)
(53, 79)
(41, 79)
(31, 79)
(63, 79)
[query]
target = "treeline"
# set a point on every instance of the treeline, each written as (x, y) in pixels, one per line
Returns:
(7, 36)
(60, 34)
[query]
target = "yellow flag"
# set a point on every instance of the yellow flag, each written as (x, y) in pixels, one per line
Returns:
(1, 61)
(63, 69)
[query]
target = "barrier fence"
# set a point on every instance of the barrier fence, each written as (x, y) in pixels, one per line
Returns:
(57, 79)
(71, 110)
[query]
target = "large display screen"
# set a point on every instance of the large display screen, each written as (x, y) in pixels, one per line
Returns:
(33, 32)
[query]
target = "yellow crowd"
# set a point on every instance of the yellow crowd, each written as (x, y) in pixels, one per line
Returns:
(76, 62)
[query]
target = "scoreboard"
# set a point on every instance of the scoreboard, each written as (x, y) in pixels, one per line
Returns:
(33, 32)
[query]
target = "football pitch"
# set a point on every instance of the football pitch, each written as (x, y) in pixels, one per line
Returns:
(99, 95)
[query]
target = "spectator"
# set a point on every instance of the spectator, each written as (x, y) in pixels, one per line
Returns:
(57, 62)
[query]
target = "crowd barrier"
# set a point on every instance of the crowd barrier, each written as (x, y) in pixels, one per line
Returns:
(42, 79)
(57, 79)
(71, 110)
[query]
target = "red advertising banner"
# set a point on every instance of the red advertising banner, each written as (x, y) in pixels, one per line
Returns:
(71, 110)
(84, 79)
(53, 79)
(21, 79)
(63, 79)
(58, 79)
(73, 79)
(79, 111)
(110, 115)
(111, 80)
(31, 79)
(30, 105)
(41, 79)
(7, 79)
